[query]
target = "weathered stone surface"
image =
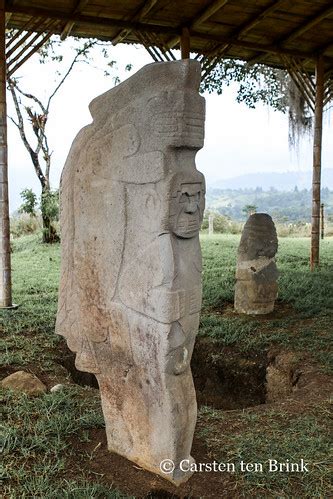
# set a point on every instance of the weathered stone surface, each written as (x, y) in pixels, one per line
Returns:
(256, 274)
(132, 203)
(24, 382)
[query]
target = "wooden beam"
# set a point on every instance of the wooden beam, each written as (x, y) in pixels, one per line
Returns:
(28, 34)
(185, 44)
(28, 46)
(153, 43)
(304, 84)
(322, 221)
(316, 178)
(5, 263)
(259, 47)
(8, 16)
(154, 28)
(28, 26)
(144, 42)
(93, 20)
(208, 12)
(140, 14)
(299, 82)
(328, 89)
(69, 26)
(307, 25)
(203, 15)
(298, 32)
(34, 49)
(248, 25)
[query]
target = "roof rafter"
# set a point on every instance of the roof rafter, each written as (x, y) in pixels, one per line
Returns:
(257, 46)
(165, 29)
(140, 14)
(69, 26)
(244, 28)
(307, 25)
(201, 17)
(299, 31)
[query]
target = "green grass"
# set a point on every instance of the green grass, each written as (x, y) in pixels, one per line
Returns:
(37, 433)
(305, 300)
(308, 292)
(272, 435)
(29, 331)
(36, 448)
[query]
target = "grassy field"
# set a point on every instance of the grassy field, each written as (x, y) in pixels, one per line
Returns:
(305, 298)
(40, 458)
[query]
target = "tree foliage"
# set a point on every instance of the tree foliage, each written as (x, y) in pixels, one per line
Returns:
(29, 204)
(257, 83)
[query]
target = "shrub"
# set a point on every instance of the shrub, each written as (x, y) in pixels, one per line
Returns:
(24, 224)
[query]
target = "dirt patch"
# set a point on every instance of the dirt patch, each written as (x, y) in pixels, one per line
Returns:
(131, 479)
(223, 378)
(59, 373)
(227, 379)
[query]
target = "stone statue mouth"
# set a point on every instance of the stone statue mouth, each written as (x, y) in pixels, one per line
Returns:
(187, 225)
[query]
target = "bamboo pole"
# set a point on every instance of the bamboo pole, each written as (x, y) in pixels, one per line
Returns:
(5, 267)
(185, 43)
(322, 228)
(317, 147)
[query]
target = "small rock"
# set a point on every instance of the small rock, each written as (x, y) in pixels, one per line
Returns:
(24, 382)
(57, 388)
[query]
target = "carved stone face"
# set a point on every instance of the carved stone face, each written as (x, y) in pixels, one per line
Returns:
(186, 210)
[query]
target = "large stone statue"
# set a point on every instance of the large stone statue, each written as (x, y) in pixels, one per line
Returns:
(256, 274)
(132, 203)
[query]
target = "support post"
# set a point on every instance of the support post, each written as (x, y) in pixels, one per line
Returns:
(322, 228)
(185, 43)
(5, 267)
(317, 146)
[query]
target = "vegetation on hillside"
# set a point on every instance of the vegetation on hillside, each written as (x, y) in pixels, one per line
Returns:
(288, 206)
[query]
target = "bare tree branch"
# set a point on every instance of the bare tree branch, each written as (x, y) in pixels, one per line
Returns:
(32, 153)
(84, 49)
(29, 96)
(13, 121)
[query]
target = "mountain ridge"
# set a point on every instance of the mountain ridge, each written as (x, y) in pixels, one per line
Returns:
(285, 181)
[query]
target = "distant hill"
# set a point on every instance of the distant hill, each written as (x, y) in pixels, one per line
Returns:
(284, 206)
(281, 181)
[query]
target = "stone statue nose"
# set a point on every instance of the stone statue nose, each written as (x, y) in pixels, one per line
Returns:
(191, 207)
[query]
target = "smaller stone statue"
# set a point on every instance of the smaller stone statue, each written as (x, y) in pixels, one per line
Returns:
(256, 275)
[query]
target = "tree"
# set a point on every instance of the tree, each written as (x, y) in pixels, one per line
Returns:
(32, 116)
(249, 209)
(258, 83)
(29, 204)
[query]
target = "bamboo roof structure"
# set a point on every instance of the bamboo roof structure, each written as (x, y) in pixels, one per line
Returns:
(267, 31)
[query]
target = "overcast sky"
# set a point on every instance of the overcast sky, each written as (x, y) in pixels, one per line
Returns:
(238, 139)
